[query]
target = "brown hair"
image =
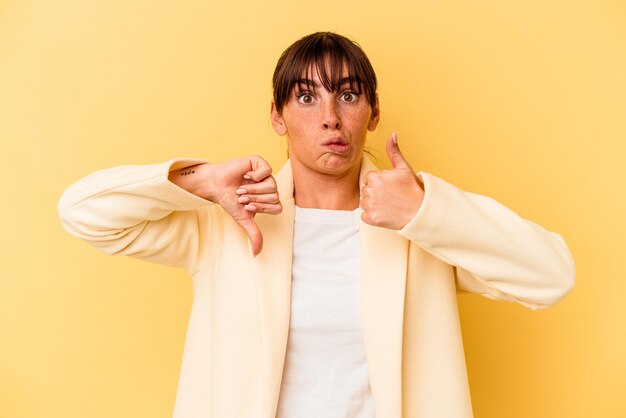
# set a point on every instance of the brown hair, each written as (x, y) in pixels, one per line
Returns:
(311, 53)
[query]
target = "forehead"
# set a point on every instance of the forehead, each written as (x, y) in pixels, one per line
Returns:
(329, 74)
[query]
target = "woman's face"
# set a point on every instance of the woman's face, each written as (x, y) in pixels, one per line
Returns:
(326, 130)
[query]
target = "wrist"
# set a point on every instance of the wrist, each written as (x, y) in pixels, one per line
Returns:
(196, 179)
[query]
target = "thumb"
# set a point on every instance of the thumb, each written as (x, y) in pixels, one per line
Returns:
(254, 233)
(394, 153)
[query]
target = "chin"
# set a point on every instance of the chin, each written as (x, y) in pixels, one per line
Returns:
(339, 164)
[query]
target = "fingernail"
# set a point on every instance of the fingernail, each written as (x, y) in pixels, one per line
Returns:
(250, 208)
(247, 177)
(241, 191)
(394, 138)
(243, 199)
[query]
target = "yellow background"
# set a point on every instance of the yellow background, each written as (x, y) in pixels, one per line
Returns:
(524, 101)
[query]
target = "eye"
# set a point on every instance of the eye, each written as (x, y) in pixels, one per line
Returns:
(349, 97)
(305, 98)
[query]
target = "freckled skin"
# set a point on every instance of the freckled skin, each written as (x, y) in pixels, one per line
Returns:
(328, 176)
(310, 118)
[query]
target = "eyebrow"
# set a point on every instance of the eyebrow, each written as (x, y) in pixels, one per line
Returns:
(309, 82)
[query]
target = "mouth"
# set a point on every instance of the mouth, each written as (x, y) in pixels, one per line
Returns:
(337, 145)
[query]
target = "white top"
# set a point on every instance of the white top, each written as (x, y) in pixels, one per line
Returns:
(325, 374)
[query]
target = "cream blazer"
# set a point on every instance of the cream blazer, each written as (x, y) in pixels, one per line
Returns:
(238, 327)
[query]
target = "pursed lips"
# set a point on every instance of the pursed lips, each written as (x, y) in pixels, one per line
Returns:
(337, 145)
(335, 140)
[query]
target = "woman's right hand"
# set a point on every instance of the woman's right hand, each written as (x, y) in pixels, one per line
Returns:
(242, 187)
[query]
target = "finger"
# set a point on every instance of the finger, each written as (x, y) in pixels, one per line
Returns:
(260, 169)
(260, 198)
(365, 217)
(254, 234)
(394, 153)
(364, 202)
(369, 177)
(269, 208)
(266, 186)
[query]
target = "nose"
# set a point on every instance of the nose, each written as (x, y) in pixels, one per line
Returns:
(330, 117)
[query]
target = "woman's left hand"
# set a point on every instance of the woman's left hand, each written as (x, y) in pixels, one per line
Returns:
(391, 198)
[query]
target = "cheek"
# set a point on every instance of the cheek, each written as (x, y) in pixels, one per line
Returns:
(297, 124)
(358, 121)
(359, 114)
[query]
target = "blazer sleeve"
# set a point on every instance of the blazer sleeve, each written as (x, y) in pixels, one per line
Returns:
(135, 210)
(494, 251)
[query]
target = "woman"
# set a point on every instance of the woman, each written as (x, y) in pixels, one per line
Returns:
(350, 308)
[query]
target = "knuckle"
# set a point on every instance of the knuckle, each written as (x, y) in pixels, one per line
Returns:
(374, 178)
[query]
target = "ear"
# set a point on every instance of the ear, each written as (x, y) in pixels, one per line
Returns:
(375, 117)
(277, 121)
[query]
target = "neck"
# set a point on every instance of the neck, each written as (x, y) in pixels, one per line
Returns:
(325, 191)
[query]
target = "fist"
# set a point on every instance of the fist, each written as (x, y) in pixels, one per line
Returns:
(391, 198)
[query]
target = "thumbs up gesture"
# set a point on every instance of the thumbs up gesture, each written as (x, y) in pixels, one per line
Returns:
(391, 198)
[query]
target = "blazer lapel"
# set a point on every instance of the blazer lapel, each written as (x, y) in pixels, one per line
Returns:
(383, 278)
(273, 283)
